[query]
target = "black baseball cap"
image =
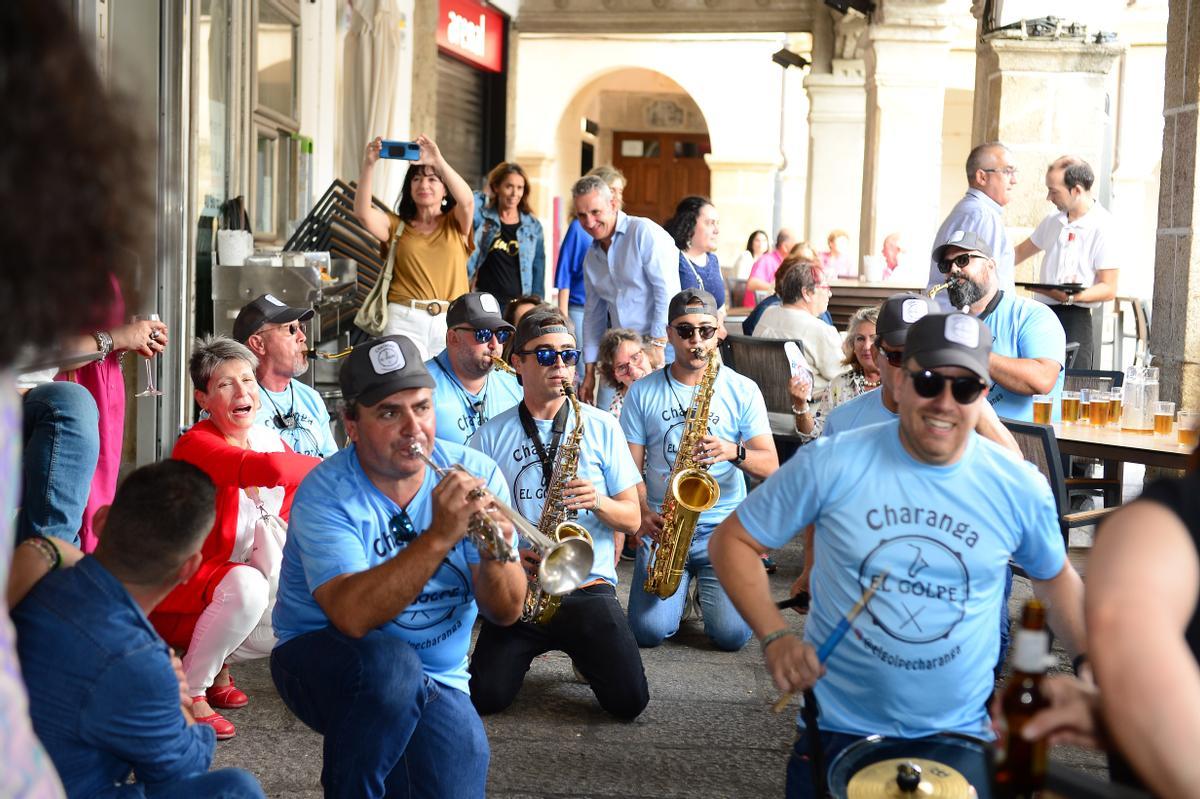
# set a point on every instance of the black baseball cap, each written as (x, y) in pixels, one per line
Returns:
(536, 324)
(953, 339)
(964, 240)
(380, 368)
(899, 312)
(680, 302)
(477, 309)
(266, 310)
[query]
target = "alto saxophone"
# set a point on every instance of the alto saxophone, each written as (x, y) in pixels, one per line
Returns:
(503, 365)
(691, 490)
(933, 292)
(557, 522)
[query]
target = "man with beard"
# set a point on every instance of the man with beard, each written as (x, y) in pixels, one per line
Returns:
(274, 332)
(1028, 342)
(470, 390)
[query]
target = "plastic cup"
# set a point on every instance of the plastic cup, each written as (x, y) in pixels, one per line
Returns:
(1187, 430)
(1070, 407)
(1042, 404)
(1164, 418)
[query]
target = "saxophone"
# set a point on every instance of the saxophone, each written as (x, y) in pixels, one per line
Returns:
(557, 522)
(940, 287)
(691, 490)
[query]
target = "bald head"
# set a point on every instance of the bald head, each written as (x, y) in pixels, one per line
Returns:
(784, 239)
(992, 170)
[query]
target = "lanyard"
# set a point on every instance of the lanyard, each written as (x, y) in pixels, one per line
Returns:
(671, 386)
(557, 427)
(473, 409)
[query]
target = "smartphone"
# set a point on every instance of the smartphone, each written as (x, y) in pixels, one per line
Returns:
(404, 150)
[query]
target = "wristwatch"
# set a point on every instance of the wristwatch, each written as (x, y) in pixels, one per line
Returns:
(1070, 299)
(741, 454)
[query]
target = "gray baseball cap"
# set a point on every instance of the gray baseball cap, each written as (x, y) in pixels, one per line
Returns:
(964, 240)
(953, 339)
(479, 310)
(680, 302)
(264, 310)
(898, 313)
(380, 368)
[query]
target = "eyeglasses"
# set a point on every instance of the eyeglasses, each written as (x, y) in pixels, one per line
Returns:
(483, 335)
(961, 260)
(686, 331)
(548, 357)
(401, 527)
(637, 359)
(1008, 171)
(929, 385)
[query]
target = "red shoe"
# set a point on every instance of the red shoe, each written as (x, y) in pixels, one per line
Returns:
(222, 726)
(228, 697)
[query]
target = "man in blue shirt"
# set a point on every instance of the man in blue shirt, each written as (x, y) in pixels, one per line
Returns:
(106, 695)
(531, 442)
(930, 513)
(273, 331)
(1028, 342)
(991, 177)
(630, 273)
(379, 588)
(738, 439)
(470, 390)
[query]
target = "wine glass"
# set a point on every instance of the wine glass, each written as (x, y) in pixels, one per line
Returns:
(150, 390)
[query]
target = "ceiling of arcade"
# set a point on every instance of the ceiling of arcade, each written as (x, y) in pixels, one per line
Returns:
(666, 16)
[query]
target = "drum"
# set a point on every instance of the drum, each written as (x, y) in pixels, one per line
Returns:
(945, 766)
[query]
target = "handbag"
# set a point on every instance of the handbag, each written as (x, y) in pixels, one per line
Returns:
(270, 534)
(372, 316)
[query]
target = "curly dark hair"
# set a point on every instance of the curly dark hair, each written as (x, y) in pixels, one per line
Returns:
(75, 199)
(406, 207)
(682, 225)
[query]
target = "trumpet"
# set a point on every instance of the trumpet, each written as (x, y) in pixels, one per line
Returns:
(503, 365)
(329, 356)
(565, 564)
(933, 292)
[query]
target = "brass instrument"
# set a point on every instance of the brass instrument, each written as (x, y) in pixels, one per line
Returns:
(690, 491)
(556, 521)
(329, 356)
(503, 365)
(565, 564)
(933, 292)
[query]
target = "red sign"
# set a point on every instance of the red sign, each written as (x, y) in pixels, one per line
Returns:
(472, 32)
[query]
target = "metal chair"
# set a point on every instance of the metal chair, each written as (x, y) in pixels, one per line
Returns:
(1072, 353)
(763, 361)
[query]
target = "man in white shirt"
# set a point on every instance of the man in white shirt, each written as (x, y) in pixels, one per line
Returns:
(1081, 247)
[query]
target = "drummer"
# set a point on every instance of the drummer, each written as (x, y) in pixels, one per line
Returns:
(931, 512)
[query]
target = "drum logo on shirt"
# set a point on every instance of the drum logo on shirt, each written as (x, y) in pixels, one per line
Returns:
(675, 432)
(434, 607)
(925, 593)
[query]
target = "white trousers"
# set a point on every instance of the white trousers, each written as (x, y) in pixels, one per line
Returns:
(236, 626)
(426, 331)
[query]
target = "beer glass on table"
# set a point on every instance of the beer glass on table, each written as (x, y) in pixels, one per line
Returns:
(1042, 403)
(1070, 407)
(1164, 418)
(1085, 404)
(1115, 398)
(1187, 428)
(151, 390)
(1098, 409)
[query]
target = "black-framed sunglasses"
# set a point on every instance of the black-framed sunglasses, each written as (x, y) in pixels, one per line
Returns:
(893, 357)
(401, 527)
(292, 328)
(961, 260)
(548, 357)
(483, 335)
(965, 390)
(686, 331)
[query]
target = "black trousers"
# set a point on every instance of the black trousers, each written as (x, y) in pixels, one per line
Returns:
(590, 628)
(1079, 325)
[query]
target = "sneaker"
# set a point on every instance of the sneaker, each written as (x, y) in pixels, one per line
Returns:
(769, 563)
(222, 726)
(628, 552)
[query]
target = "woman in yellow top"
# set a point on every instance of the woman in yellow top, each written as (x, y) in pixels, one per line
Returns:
(430, 268)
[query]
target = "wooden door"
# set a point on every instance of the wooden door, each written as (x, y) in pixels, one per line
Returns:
(660, 170)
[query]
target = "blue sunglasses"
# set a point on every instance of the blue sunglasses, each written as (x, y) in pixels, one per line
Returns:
(483, 335)
(548, 357)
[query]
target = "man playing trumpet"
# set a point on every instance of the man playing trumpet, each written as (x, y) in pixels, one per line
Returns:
(569, 469)
(379, 589)
(737, 440)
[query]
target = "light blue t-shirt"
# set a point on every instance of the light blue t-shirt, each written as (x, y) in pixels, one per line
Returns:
(865, 409)
(604, 460)
(653, 415)
(340, 524)
(457, 417)
(919, 660)
(1023, 328)
(311, 434)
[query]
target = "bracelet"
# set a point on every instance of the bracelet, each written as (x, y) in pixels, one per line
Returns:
(770, 638)
(800, 410)
(1078, 661)
(51, 553)
(104, 343)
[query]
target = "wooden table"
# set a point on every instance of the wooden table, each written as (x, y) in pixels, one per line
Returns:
(1111, 444)
(850, 295)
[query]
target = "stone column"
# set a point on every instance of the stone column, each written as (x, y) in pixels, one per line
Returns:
(836, 131)
(908, 44)
(738, 189)
(1175, 326)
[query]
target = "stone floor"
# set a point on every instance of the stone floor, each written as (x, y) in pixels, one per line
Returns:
(707, 732)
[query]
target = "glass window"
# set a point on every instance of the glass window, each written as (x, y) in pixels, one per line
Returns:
(266, 184)
(212, 103)
(277, 41)
(639, 148)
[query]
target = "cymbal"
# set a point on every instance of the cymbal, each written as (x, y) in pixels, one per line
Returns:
(939, 781)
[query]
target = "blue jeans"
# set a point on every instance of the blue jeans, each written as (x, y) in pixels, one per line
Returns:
(226, 783)
(653, 620)
(1005, 622)
(389, 729)
(62, 443)
(800, 783)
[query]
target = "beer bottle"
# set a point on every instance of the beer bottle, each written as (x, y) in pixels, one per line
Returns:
(1020, 765)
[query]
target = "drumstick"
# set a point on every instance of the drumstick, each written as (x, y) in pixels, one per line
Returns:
(800, 600)
(839, 632)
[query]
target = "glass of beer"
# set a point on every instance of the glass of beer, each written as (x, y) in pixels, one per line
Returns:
(1188, 428)
(1164, 418)
(1098, 409)
(1070, 407)
(1042, 404)
(1114, 406)
(1085, 404)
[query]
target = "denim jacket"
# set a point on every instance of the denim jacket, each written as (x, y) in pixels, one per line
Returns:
(529, 237)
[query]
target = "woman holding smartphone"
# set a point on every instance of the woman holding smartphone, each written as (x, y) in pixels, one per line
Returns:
(430, 232)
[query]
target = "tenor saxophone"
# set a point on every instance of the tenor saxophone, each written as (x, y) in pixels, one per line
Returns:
(691, 490)
(557, 523)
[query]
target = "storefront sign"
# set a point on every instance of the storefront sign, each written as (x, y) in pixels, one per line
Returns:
(472, 32)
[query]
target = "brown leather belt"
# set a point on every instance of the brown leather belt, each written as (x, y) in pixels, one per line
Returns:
(432, 307)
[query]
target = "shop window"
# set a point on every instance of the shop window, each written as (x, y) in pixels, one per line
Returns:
(277, 37)
(275, 84)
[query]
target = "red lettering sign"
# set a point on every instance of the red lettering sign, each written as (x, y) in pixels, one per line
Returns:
(472, 32)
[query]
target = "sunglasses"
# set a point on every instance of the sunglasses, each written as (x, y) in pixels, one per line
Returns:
(686, 331)
(401, 528)
(291, 329)
(548, 357)
(893, 357)
(960, 261)
(483, 335)
(929, 385)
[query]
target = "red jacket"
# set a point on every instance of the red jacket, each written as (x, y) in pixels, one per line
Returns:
(231, 469)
